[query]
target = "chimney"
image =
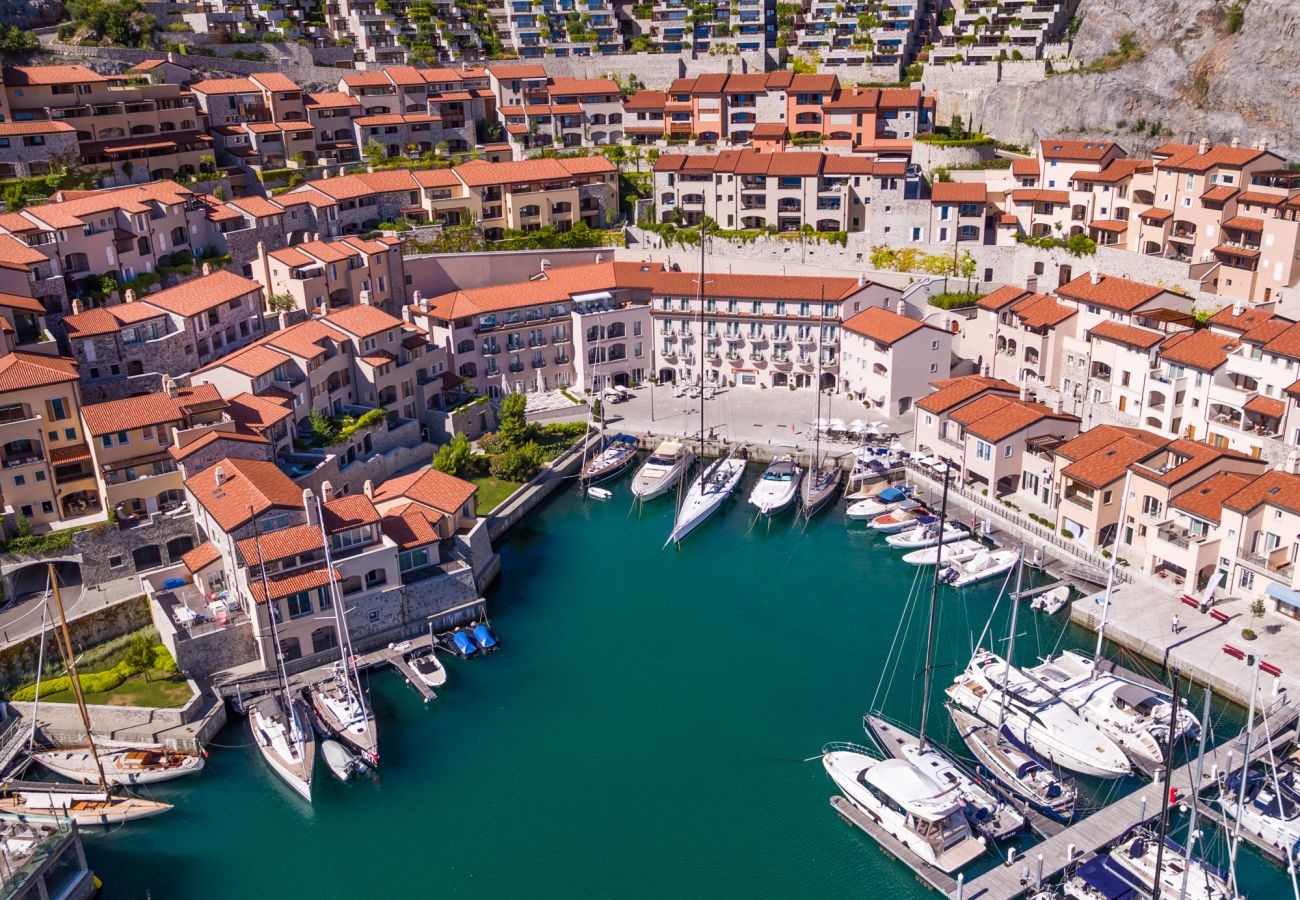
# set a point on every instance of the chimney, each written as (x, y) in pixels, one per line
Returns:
(1293, 463)
(76, 305)
(1263, 145)
(599, 258)
(171, 56)
(342, 171)
(1238, 308)
(546, 264)
(326, 492)
(368, 489)
(128, 296)
(169, 386)
(207, 268)
(324, 306)
(1203, 147)
(901, 307)
(1235, 142)
(862, 279)
(1024, 391)
(219, 476)
(422, 302)
(1094, 276)
(316, 236)
(364, 298)
(1058, 405)
(309, 504)
(986, 371)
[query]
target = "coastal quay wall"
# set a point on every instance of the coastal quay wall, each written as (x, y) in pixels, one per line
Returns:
(544, 483)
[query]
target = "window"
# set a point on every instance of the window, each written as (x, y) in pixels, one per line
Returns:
(115, 562)
(20, 480)
(298, 604)
(1007, 451)
(1247, 578)
(983, 451)
(376, 577)
(47, 507)
(1151, 507)
(58, 409)
(413, 559)
(274, 521)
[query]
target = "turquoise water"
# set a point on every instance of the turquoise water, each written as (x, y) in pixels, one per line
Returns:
(640, 734)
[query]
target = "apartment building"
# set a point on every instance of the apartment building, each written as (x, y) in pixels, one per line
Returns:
(31, 149)
(332, 114)
(880, 37)
(782, 190)
(538, 111)
(981, 32)
(322, 276)
(45, 477)
(124, 125)
(888, 359)
(457, 99)
(772, 331)
(583, 326)
(1019, 335)
(746, 26)
(562, 28)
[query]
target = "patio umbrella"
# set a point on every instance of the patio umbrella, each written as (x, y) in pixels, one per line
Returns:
(940, 468)
(872, 430)
(838, 425)
(857, 426)
(897, 447)
(822, 424)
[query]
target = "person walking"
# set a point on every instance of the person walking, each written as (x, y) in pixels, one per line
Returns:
(1175, 623)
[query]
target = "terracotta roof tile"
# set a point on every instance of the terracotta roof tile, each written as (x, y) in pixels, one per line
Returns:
(1205, 501)
(25, 304)
(32, 76)
(1245, 223)
(882, 325)
(1023, 167)
(758, 287)
(1189, 158)
(1110, 291)
(1041, 311)
(959, 192)
(1265, 406)
(225, 86)
(1249, 318)
(148, 410)
(202, 556)
(20, 371)
(1002, 297)
(282, 543)
(1203, 350)
(1034, 195)
(255, 414)
(351, 511)
(289, 583)
(1009, 416)
(411, 525)
(1099, 437)
(434, 489)
(1127, 334)
(362, 320)
(1220, 193)
(952, 391)
(1274, 488)
(212, 437)
(1081, 151)
(248, 483)
(1266, 331)
(198, 295)
(1109, 463)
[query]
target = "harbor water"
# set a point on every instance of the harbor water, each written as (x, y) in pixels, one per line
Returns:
(642, 732)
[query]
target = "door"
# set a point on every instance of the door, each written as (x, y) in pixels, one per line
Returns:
(1123, 401)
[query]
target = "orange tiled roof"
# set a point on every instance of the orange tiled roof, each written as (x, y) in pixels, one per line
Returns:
(225, 86)
(1127, 334)
(147, 411)
(362, 320)
(1009, 416)
(16, 129)
(33, 76)
(1035, 195)
(434, 489)
(1085, 151)
(1249, 318)
(1109, 463)
(1204, 350)
(1265, 406)
(250, 488)
(255, 413)
(289, 583)
(202, 556)
(883, 325)
(212, 437)
(1097, 438)
(951, 391)
(1002, 297)
(282, 543)
(1220, 193)
(1274, 488)
(1110, 291)
(351, 511)
(198, 295)
(20, 371)
(411, 525)
(26, 304)
(1244, 223)
(1041, 311)
(1206, 500)
(958, 192)
(1188, 157)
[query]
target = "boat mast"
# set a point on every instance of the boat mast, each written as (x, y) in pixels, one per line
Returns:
(700, 299)
(1011, 639)
(1200, 770)
(275, 631)
(340, 615)
(934, 602)
(1164, 800)
(1235, 843)
(71, 660)
(1110, 575)
(814, 465)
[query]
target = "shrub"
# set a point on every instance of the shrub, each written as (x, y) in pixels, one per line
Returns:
(455, 457)
(1248, 634)
(955, 299)
(491, 444)
(517, 463)
(1067, 533)
(139, 658)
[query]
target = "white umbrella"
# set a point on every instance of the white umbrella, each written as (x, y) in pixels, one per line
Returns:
(857, 426)
(872, 431)
(879, 423)
(897, 447)
(929, 461)
(838, 425)
(940, 468)
(822, 424)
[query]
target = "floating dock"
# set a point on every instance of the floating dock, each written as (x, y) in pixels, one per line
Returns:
(928, 874)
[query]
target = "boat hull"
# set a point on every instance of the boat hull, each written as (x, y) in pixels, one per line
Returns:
(362, 737)
(77, 764)
(645, 487)
(94, 810)
(297, 774)
(699, 505)
(818, 488)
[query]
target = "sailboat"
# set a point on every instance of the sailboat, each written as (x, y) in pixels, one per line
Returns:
(338, 699)
(615, 455)
(778, 487)
(53, 803)
(278, 721)
(660, 473)
(987, 812)
(716, 481)
(1010, 761)
(822, 480)
(122, 765)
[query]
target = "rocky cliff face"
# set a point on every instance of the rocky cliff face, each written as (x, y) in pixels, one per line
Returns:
(27, 14)
(1186, 75)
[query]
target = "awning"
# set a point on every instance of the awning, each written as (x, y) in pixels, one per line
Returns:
(1284, 595)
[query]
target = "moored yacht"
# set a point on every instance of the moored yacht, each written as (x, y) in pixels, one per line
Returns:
(1272, 806)
(669, 462)
(615, 455)
(1137, 852)
(1016, 767)
(57, 803)
(889, 499)
(980, 567)
(925, 816)
(285, 740)
(927, 534)
(778, 487)
(953, 552)
(907, 515)
(995, 691)
(714, 485)
(345, 713)
(121, 765)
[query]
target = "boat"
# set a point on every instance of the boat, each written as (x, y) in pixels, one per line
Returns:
(55, 803)
(286, 743)
(887, 500)
(952, 552)
(1101, 878)
(714, 485)
(1051, 602)
(995, 691)
(987, 813)
(483, 636)
(339, 700)
(1269, 808)
(463, 644)
(922, 814)
(908, 513)
(1136, 854)
(1015, 766)
(340, 760)
(124, 765)
(616, 454)
(599, 493)
(429, 669)
(659, 474)
(778, 487)
(1131, 714)
(927, 534)
(822, 480)
(980, 567)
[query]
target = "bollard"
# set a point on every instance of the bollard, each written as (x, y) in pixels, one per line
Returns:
(961, 884)
(1142, 811)
(1011, 856)
(1069, 853)
(1039, 882)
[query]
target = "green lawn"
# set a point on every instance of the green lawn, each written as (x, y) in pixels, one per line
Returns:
(493, 491)
(163, 690)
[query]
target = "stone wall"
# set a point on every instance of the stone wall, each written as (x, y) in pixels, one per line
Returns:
(99, 547)
(542, 486)
(471, 420)
(931, 156)
(307, 76)
(654, 70)
(201, 654)
(18, 661)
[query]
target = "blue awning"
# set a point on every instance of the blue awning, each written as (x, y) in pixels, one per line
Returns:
(1284, 595)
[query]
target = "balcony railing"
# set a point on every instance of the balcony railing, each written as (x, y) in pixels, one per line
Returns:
(1174, 534)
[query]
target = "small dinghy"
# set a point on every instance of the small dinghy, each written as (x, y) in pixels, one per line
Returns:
(599, 493)
(484, 637)
(983, 566)
(954, 552)
(886, 501)
(926, 534)
(1052, 601)
(341, 762)
(908, 514)
(463, 645)
(429, 669)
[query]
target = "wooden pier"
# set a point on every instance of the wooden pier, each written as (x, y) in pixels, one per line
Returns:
(395, 655)
(931, 876)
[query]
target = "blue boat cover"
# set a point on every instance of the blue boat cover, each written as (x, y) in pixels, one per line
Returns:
(1108, 879)
(891, 495)
(484, 636)
(463, 644)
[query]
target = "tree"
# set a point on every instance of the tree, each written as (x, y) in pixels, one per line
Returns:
(1257, 609)
(966, 266)
(883, 257)
(454, 458)
(513, 427)
(280, 303)
(322, 428)
(14, 40)
(374, 152)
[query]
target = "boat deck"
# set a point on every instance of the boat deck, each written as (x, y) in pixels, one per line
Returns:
(930, 875)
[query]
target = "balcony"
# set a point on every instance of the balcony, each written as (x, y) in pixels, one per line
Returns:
(1174, 534)
(16, 458)
(1276, 569)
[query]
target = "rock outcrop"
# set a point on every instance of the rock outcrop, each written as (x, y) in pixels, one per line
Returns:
(1187, 74)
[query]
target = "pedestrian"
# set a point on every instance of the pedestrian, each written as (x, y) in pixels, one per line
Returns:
(1175, 623)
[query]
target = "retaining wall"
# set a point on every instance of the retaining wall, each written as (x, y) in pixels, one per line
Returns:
(18, 662)
(546, 482)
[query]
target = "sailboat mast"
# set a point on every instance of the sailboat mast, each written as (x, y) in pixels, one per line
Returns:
(1192, 798)
(340, 614)
(71, 660)
(270, 612)
(1245, 777)
(1164, 801)
(815, 463)
(700, 299)
(1110, 575)
(1011, 639)
(934, 603)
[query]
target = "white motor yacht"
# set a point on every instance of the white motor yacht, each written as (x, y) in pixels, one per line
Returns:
(922, 814)
(778, 487)
(659, 474)
(887, 500)
(122, 765)
(1132, 715)
(714, 485)
(1034, 716)
(908, 514)
(429, 669)
(1015, 766)
(285, 740)
(980, 567)
(926, 534)
(954, 552)
(1272, 807)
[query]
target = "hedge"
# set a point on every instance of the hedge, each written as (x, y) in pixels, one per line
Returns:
(99, 682)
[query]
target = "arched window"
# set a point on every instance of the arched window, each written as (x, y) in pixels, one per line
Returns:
(324, 638)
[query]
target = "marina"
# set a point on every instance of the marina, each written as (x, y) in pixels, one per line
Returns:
(461, 752)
